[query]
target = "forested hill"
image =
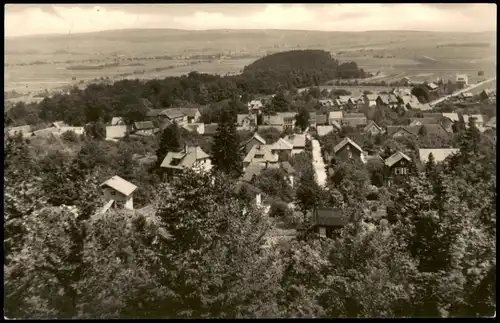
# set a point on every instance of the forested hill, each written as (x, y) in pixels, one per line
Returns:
(268, 75)
(318, 62)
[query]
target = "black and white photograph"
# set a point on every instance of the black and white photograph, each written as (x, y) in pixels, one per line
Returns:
(251, 160)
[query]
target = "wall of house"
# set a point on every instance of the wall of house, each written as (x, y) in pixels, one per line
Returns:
(343, 154)
(297, 151)
(250, 144)
(403, 163)
(373, 130)
(120, 199)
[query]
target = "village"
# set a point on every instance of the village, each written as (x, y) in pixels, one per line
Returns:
(342, 117)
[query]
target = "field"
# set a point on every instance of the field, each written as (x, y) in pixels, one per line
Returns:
(36, 63)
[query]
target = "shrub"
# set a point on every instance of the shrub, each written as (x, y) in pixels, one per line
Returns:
(70, 136)
(279, 209)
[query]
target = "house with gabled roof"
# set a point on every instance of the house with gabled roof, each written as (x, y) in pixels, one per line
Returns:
(192, 115)
(348, 149)
(261, 154)
(117, 121)
(321, 120)
(144, 128)
(324, 130)
(288, 119)
(488, 94)
(397, 166)
(328, 221)
(119, 193)
(255, 106)
(387, 100)
(256, 139)
(328, 103)
(432, 87)
(402, 131)
(175, 115)
(492, 123)
(253, 170)
(422, 121)
(370, 100)
(189, 157)
(273, 122)
(246, 121)
(24, 130)
(116, 132)
(373, 128)
(409, 102)
(298, 142)
(439, 154)
(282, 148)
(354, 120)
(335, 116)
(59, 124)
(477, 118)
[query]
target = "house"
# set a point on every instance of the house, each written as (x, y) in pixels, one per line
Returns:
(24, 130)
(189, 157)
(445, 119)
(298, 142)
(321, 120)
(401, 92)
(247, 121)
(59, 124)
(354, 120)
(119, 192)
(453, 117)
(492, 123)
(195, 127)
(397, 166)
(491, 133)
(77, 130)
(175, 115)
(324, 130)
(117, 121)
(344, 101)
(462, 81)
(432, 87)
(261, 154)
(210, 129)
(348, 149)
(335, 116)
(336, 126)
(409, 102)
(423, 107)
(373, 128)
(326, 103)
(327, 221)
(255, 140)
(467, 95)
(370, 100)
(288, 119)
(144, 128)
(387, 100)
(272, 122)
(488, 94)
(477, 119)
(116, 132)
(405, 81)
(193, 115)
(282, 148)
(422, 121)
(255, 106)
(438, 154)
(254, 169)
(402, 131)
(312, 119)
(47, 132)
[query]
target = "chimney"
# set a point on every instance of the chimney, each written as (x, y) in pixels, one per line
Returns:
(185, 148)
(258, 199)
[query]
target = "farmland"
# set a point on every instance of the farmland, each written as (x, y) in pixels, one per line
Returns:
(36, 63)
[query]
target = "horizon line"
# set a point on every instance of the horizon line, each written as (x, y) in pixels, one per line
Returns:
(246, 29)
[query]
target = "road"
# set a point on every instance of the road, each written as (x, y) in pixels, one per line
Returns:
(462, 91)
(318, 163)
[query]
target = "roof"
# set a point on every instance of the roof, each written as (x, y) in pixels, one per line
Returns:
(45, 132)
(287, 167)
(297, 140)
(287, 115)
(344, 98)
(329, 217)
(336, 124)
(371, 97)
(77, 130)
(478, 117)
(355, 118)
(154, 112)
(461, 76)
(425, 120)
(321, 119)
(146, 103)
(324, 130)
(144, 125)
(467, 95)
(59, 124)
(423, 106)
(116, 131)
(21, 129)
(257, 137)
(272, 120)
(344, 142)
(492, 122)
(119, 184)
(388, 98)
(326, 102)
(211, 128)
(116, 121)
(393, 129)
(452, 116)
(335, 115)
(370, 124)
(241, 117)
(253, 169)
(190, 112)
(264, 150)
(390, 161)
(282, 144)
(173, 113)
(191, 127)
(410, 100)
(432, 86)
(256, 103)
(187, 157)
(438, 154)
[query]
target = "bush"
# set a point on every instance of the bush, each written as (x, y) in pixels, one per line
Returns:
(279, 209)
(70, 136)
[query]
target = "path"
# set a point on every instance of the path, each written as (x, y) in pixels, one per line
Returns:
(433, 103)
(318, 163)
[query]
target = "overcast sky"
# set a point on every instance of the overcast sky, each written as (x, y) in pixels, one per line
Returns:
(23, 19)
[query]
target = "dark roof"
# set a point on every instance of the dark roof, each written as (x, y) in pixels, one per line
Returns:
(332, 217)
(210, 128)
(321, 119)
(144, 125)
(154, 112)
(427, 120)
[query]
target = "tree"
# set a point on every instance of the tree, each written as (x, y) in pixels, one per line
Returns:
(95, 130)
(279, 103)
(422, 131)
(430, 165)
(308, 192)
(302, 119)
(226, 148)
(274, 183)
(170, 141)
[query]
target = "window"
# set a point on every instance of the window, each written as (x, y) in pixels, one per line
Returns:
(259, 156)
(322, 232)
(349, 154)
(175, 161)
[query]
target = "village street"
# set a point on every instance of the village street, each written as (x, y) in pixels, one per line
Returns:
(318, 163)
(481, 85)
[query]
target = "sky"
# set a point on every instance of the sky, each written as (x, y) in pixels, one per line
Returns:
(25, 19)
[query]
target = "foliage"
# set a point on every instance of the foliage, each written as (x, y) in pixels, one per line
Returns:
(302, 119)
(226, 155)
(274, 182)
(270, 135)
(308, 191)
(170, 141)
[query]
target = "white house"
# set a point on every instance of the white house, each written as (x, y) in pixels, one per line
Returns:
(119, 192)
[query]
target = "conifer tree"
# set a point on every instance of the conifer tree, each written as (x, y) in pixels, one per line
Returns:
(225, 151)
(170, 140)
